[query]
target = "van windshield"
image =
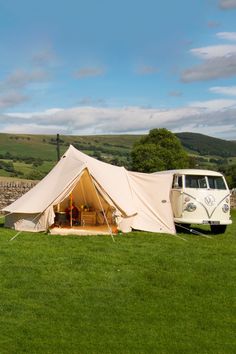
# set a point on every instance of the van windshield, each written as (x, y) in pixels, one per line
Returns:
(216, 182)
(195, 181)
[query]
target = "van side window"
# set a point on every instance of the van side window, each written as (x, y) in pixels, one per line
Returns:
(177, 182)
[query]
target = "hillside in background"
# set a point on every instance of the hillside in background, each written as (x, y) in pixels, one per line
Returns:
(43, 146)
(207, 145)
(32, 156)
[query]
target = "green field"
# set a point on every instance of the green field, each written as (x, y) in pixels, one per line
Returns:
(44, 146)
(18, 149)
(32, 156)
(143, 293)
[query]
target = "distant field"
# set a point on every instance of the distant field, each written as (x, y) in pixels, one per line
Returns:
(146, 293)
(44, 147)
(16, 150)
(26, 169)
(207, 145)
(26, 146)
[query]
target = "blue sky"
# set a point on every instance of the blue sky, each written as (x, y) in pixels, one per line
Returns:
(118, 67)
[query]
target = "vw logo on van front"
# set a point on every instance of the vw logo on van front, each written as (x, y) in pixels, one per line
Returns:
(210, 200)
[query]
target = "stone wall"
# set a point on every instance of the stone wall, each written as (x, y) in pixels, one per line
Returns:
(233, 200)
(10, 191)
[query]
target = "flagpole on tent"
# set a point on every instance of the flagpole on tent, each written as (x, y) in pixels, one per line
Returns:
(58, 147)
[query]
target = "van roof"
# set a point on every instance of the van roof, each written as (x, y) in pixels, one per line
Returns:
(192, 171)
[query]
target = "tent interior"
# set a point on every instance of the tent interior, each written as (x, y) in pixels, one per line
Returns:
(95, 211)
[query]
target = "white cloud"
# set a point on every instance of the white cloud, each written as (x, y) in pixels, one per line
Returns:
(12, 88)
(215, 51)
(44, 57)
(214, 105)
(89, 72)
(216, 117)
(21, 78)
(227, 4)
(224, 90)
(175, 93)
(146, 70)
(213, 24)
(222, 131)
(220, 123)
(12, 99)
(30, 115)
(219, 61)
(211, 69)
(229, 36)
(32, 128)
(89, 101)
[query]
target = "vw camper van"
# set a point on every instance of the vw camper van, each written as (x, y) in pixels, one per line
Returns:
(200, 197)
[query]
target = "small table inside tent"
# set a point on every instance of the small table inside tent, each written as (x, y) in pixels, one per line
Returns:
(88, 218)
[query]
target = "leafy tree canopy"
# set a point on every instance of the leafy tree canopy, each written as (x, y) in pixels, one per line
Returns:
(159, 150)
(230, 174)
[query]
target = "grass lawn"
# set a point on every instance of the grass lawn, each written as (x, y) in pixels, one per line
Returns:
(143, 293)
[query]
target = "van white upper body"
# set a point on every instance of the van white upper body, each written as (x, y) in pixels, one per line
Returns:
(200, 197)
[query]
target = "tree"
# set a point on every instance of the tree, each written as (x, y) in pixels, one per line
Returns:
(230, 174)
(36, 175)
(159, 150)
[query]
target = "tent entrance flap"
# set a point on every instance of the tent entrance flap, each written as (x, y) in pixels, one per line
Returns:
(93, 207)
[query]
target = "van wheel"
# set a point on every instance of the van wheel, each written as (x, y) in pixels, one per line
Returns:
(218, 229)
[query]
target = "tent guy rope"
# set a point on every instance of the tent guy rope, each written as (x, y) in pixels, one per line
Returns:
(104, 214)
(193, 231)
(19, 232)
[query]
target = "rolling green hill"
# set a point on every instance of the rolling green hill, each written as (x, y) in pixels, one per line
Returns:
(207, 145)
(43, 146)
(32, 156)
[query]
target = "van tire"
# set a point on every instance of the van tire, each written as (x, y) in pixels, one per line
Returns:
(218, 229)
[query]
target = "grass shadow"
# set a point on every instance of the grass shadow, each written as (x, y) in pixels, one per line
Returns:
(190, 230)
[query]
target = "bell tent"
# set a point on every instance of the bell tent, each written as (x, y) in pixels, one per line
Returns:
(110, 195)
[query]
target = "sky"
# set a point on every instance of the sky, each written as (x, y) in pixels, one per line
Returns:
(81, 67)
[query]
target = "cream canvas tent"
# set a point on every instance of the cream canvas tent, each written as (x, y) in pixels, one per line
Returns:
(135, 200)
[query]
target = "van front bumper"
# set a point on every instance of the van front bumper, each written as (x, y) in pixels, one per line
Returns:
(202, 222)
